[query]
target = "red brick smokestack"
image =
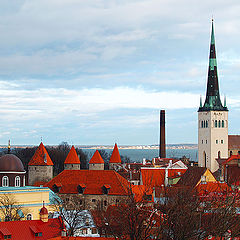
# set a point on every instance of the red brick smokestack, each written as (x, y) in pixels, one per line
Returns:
(162, 147)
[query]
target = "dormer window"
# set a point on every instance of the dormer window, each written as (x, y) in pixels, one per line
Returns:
(45, 158)
(106, 188)
(56, 187)
(81, 188)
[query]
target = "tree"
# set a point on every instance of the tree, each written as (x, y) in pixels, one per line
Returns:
(132, 219)
(10, 209)
(72, 211)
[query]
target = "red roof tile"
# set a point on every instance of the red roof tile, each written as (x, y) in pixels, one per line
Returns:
(115, 158)
(94, 180)
(233, 141)
(212, 187)
(96, 158)
(72, 157)
(153, 176)
(26, 229)
(41, 157)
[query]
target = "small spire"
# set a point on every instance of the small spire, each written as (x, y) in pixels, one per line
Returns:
(9, 146)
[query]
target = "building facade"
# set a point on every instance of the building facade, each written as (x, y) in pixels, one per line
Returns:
(212, 119)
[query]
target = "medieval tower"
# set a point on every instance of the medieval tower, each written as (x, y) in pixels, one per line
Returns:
(212, 119)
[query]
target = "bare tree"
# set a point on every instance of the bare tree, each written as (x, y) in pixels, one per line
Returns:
(72, 211)
(10, 209)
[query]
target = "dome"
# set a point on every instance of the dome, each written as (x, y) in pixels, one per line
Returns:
(43, 210)
(11, 163)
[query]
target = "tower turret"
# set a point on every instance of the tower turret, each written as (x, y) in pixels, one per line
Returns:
(212, 118)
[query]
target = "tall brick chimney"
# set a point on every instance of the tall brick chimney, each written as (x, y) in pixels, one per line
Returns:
(162, 146)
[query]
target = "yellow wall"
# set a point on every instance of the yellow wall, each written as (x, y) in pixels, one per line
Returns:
(30, 199)
(209, 177)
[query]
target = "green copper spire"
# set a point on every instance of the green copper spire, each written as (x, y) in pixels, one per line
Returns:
(212, 101)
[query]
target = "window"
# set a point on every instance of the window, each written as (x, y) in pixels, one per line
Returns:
(202, 124)
(202, 141)
(5, 181)
(80, 202)
(7, 236)
(206, 124)
(117, 200)
(206, 141)
(215, 123)
(219, 123)
(222, 123)
(216, 141)
(221, 141)
(29, 216)
(38, 234)
(93, 200)
(230, 153)
(17, 181)
(238, 152)
(105, 203)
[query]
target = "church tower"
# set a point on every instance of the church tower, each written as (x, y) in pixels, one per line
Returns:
(212, 119)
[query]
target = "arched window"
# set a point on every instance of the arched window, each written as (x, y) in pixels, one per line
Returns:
(29, 216)
(17, 181)
(215, 123)
(206, 124)
(205, 159)
(219, 123)
(202, 124)
(222, 123)
(5, 181)
(219, 154)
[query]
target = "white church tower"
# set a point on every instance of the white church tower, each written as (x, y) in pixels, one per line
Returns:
(212, 119)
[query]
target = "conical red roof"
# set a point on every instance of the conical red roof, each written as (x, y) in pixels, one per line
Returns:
(72, 157)
(115, 158)
(96, 158)
(41, 157)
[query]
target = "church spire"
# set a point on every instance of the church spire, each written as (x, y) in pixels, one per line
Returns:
(212, 101)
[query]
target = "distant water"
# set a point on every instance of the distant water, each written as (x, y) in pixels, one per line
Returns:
(137, 155)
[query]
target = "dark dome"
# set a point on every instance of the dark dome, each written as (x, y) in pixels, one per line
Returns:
(11, 163)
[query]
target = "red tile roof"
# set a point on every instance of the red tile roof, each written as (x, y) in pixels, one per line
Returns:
(153, 176)
(141, 191)
(212, 187)
(192, 176)
(94, 180)
(26, 229)
(41, 157)
(96, 158)
(115, 158)
(72, 157)
(233, 142)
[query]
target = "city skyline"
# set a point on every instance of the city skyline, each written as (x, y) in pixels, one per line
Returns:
(98, 73)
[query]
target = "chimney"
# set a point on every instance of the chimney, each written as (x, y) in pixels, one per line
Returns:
(162, 147)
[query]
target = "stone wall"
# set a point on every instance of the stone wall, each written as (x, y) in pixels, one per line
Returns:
(39, 173)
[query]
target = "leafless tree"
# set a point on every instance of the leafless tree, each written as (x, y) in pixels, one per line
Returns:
(72, 210)
(10, 209)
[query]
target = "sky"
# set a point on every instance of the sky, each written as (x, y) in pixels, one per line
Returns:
(98, 72)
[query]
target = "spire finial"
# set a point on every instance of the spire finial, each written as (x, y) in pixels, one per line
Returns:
(9, 146)
(41, 139)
